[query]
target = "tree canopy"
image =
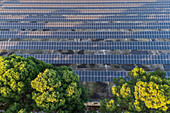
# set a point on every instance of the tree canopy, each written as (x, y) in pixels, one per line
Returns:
(144, 92)
(61, 92)
(27, 84)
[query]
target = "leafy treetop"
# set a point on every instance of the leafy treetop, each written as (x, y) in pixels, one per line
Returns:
(144, 92)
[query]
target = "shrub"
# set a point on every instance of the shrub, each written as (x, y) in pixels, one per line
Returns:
(144, 92)
(14, 108)
(91, 111)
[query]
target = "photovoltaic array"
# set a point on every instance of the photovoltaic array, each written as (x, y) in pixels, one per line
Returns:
(84, 18)
(86, 34)
(104, 75)
(101, 59)
(116, 24)
(71, 25)
(85, 45)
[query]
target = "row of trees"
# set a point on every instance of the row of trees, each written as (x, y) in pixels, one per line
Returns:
(27, 84)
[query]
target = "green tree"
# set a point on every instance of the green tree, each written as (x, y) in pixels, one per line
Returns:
(59, 91)
(144, 92)
(16, 74)
(18, 88)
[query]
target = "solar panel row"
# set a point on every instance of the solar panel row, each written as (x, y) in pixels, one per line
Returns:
(85, 45)
(85, 18)
(126, 1)
(85, 2)
(104, 75)
(161, 25)
(83, 11)
(80, 4)
(100, 75)
(56, 7)
(101, 59)
(85, 34)
(109, 5)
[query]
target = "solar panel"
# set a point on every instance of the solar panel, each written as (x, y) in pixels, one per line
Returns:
(61, 8)
(84, 6)
(98, 76)
(87, 0)
(73, 14)
(85, 34)
(85, 45)
(80, 18)
(82, 11)
(101, 59)
(84, 2)
(71, 25)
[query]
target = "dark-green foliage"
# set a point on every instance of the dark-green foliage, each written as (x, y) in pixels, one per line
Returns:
(91, 111)
(14, 108)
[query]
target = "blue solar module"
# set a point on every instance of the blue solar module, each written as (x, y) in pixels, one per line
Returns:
(85, 34)
(165, 6)
(167, 74)
(85, 6)
(101, 59)
(123, 1)
(98, 76)
(85, 45)
(83, 11)
(85, 18)
(161, 25)
(85, 2)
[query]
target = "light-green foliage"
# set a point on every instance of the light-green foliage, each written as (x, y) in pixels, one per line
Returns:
(22, 111)
(142, 93)
(58, 91)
